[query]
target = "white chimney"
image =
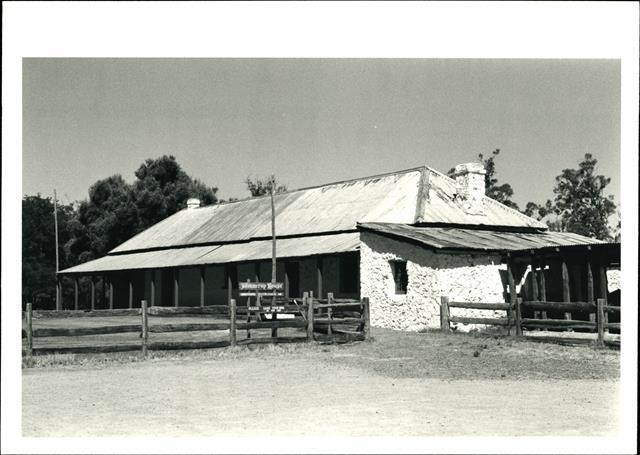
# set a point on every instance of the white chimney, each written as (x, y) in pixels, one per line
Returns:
(193, 203)
(470, 187)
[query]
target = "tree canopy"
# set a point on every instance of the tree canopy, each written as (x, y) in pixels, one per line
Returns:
(39, 248)
(263, 185)
(580, 204)
(499, 192)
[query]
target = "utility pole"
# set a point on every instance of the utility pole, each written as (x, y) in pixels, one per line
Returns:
(273, 232)
(55, 221)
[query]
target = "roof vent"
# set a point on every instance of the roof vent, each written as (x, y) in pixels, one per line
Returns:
(193, 203)
(470, 187)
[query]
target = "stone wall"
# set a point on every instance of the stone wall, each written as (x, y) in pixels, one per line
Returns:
(462, 277)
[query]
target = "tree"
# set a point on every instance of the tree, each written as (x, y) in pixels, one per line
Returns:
(262, 186)
(501, 193)
(38, 248)
(116, 210)
(162, 188)
(580, 204)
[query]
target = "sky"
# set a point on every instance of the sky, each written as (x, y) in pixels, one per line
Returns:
(314, 121)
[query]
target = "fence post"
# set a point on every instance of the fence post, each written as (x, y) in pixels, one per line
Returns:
(367, 322)
(274, 318)
(310, 317)
(232, 322)
(518, 317)
(600, 320)
(145, 327)
(444, 314)
(29, 321)
(329, 313)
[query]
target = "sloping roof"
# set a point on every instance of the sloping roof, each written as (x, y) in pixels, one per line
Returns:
(335, 207)
(234, 231)
(221, 254)
(478, 239)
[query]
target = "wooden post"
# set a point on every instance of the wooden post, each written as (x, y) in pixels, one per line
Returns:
(58, 294)
(604, 288)
(513, 295)
(518, 318)
(145, 327)
(202, 284)
(130, 293)
(93, 293)
(75, 294)
(600, 320)
(286, 283)
(329, 313)
(176, 287)
(256, 271)
(590, 293)
(29, 321)
(232, 322)
(103, 302)
(310, 317)
(543, 286)
(566, 291)
(367, 320)
(274, 316)
(319, 265)
(110, 294)
(153, 288)
(444, 314)
(229, 289)
(534, 284)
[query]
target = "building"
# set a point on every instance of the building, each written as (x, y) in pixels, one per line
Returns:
(403, 239)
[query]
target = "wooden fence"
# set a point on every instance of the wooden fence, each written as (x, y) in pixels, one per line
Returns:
(324, 320)
(514, 319)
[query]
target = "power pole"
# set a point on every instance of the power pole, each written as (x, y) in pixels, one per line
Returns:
(55, 221)
(273, 232)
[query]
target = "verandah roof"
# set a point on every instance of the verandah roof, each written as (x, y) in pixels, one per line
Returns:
(450, 238)
(220, 254)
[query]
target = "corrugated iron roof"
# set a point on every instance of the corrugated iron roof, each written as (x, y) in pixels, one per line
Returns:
(335, 207)
(220, 254)
(476, 239)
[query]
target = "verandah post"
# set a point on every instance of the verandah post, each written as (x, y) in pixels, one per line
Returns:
(444, 314)
(75, 294)
(309, 301)
(600, 320)
(566, 291)
(543, 285)
(130, 293)
(367, 321)
(145, 327)
(202, 286)
(518, 317)
(29, 321)
(513, 295)
(590, 293)
(232, 322)
(93, 293)
(329, 313)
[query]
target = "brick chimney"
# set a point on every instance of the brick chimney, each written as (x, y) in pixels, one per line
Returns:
(470, 187)
(193, 203)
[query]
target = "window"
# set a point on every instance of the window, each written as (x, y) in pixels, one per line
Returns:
(349, 273)
(399, 269)
(230, 272)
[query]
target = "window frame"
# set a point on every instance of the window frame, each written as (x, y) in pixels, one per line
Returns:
(400, 275)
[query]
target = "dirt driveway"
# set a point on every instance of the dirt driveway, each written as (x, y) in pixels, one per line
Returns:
(401, 384)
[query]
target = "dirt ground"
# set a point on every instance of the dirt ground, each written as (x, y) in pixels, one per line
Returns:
(400, 384)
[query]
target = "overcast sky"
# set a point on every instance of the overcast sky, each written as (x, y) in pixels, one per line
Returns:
(313, 121)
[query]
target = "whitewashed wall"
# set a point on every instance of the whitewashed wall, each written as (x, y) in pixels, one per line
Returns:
(462, 277)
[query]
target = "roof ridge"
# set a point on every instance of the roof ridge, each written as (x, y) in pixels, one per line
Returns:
(385, 174)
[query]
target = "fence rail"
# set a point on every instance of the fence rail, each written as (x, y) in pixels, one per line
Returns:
(515, 320)
(322, 320)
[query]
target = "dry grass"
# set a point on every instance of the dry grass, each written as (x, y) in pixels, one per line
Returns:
(430, 354)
